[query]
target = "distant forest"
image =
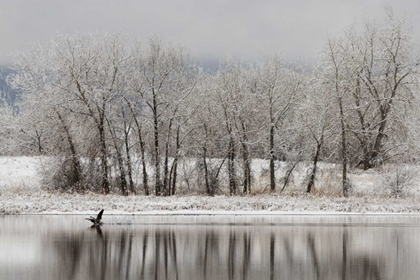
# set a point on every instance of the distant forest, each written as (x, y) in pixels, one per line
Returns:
(7, 94)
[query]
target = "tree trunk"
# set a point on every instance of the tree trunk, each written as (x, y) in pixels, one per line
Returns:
(377, 149)
(158, 190)
(272, 175)
(143, 164)
(231, 167)
(77, 173)
(174, 169)
(288, 174)
(343, 149)
(314, 168)
(39, 142)
(128, 157)
(165, 187)
(129, 167)
(209, 188)
(143, 159)
(246, 159)
(120, 160)
(247, 169)
(123, 183)
(104, 165)
(142, 150)
(363, 138)
(206, 173)
(166, 190)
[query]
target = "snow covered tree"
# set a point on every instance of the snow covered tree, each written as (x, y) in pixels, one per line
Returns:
(378, 68)
(236, 94)
(278, 91)
(164, 79)
(315, 115)
(72, 79)
(91, 65)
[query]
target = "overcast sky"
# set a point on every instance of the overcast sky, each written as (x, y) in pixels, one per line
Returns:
(209, 28)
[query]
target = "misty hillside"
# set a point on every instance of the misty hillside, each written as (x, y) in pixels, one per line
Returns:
(7, 94)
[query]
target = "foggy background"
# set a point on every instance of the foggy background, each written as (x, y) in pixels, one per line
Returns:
(210, 29)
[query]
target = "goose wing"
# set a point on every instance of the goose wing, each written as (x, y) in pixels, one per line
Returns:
(99, 217)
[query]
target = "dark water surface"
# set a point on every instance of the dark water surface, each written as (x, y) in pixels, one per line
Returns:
(210, 247)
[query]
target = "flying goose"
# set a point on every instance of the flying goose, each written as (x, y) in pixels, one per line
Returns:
(96, 221)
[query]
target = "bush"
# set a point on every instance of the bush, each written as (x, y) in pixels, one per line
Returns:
(59, 174)
(399, 181)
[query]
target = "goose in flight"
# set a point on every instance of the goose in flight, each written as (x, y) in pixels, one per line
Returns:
(96, 221)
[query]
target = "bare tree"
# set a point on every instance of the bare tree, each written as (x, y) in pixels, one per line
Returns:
(377, 69)
(315, 114)
(42, 117)
(335, 58)
(159, 76)
(91, 65)
(277, 91)
(228, 87)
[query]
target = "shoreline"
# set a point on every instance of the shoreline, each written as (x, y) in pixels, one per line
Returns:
(220, 213)
(45, 203)
(21, 192)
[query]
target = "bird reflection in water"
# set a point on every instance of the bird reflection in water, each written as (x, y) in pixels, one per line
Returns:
(98, 230)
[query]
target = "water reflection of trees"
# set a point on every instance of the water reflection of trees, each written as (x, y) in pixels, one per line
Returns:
(215, 253)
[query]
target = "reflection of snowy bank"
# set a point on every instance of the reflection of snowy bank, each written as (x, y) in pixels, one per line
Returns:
(20, 193)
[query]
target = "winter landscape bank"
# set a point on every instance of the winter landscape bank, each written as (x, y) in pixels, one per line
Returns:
(45, 203)
(134, 127)
(21, 193)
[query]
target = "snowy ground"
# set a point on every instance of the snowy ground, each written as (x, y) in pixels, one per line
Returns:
(20, 193)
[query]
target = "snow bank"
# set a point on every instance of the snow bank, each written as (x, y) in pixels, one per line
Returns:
(42, 202)
(15, 171)
(20, 193)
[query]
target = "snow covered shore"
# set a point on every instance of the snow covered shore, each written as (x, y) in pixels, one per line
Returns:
(20, 193)
(42, 202)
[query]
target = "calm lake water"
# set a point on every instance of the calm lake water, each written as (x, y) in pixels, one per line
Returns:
(210, 247)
